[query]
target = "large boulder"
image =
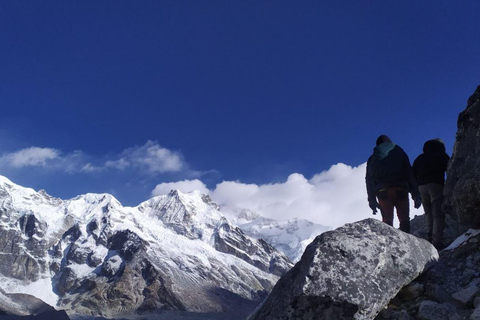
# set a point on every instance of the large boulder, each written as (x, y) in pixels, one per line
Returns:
(349, 273)
(463, 176)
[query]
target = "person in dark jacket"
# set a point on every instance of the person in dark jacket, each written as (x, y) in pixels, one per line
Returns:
(390, 179)
(429, 169)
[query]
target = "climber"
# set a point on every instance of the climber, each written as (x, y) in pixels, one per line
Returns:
(389, 179)
(429, 169)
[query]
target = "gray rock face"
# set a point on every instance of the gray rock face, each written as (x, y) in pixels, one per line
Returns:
(462, 187)
(451, 288)
(349, 273)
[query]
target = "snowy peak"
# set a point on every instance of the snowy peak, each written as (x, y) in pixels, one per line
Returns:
(289, 236)
(177, 208)
(92, 205)
(24, 198)
(247, 215)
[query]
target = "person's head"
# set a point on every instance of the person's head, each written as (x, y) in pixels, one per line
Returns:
(383, 138)
(434, 145)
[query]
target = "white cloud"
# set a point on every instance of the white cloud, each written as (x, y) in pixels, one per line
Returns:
(184, 186)
(90, 168)
(150, 157)
(120, 164)
(30, 157)
(332, 198)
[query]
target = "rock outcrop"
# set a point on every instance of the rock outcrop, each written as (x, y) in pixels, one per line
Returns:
(349, 273)
(462, 187)
(449, 290)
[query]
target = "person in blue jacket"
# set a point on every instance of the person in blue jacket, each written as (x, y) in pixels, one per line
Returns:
(390, 179)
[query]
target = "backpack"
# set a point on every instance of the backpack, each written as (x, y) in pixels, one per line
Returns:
(389, 167)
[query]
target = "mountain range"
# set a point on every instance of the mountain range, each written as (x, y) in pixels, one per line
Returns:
(173, 253)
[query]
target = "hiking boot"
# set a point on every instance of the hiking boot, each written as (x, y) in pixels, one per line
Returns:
(405, 226)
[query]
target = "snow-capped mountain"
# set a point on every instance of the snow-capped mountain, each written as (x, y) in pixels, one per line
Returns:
(289, 236)
(90, 255)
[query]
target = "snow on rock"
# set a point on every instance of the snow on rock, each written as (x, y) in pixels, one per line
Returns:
(461, 240)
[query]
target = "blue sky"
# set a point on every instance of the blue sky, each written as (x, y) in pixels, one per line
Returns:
(120, 96)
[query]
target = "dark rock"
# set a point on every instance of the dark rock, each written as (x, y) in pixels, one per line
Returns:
(93, 260)
(27, 224)
(465, 297)
(351, 272)
(430, 310)
(126, 243)
(462, 186)
(476, 302)
(73, 233)
(92, 226)
(66, 281)
(411, 291)
(476, 314)
(454, 288)
(78, 254)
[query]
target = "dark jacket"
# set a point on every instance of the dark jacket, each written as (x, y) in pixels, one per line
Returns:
(389, 166)
(431, 165)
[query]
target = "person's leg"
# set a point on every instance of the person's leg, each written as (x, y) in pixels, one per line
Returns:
(386, 206)
(403, 208)
(436, 194)
(427, 207)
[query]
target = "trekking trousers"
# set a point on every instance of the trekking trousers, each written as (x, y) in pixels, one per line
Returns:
(391, 198)
(432, 198)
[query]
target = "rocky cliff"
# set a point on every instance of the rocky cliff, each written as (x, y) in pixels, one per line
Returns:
(462, 187)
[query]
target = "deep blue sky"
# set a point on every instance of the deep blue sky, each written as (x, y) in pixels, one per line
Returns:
(240, 90)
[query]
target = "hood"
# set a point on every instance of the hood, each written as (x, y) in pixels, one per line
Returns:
(383, 149)
(434, 146)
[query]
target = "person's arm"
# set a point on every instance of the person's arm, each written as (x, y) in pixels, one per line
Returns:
(372, 198)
